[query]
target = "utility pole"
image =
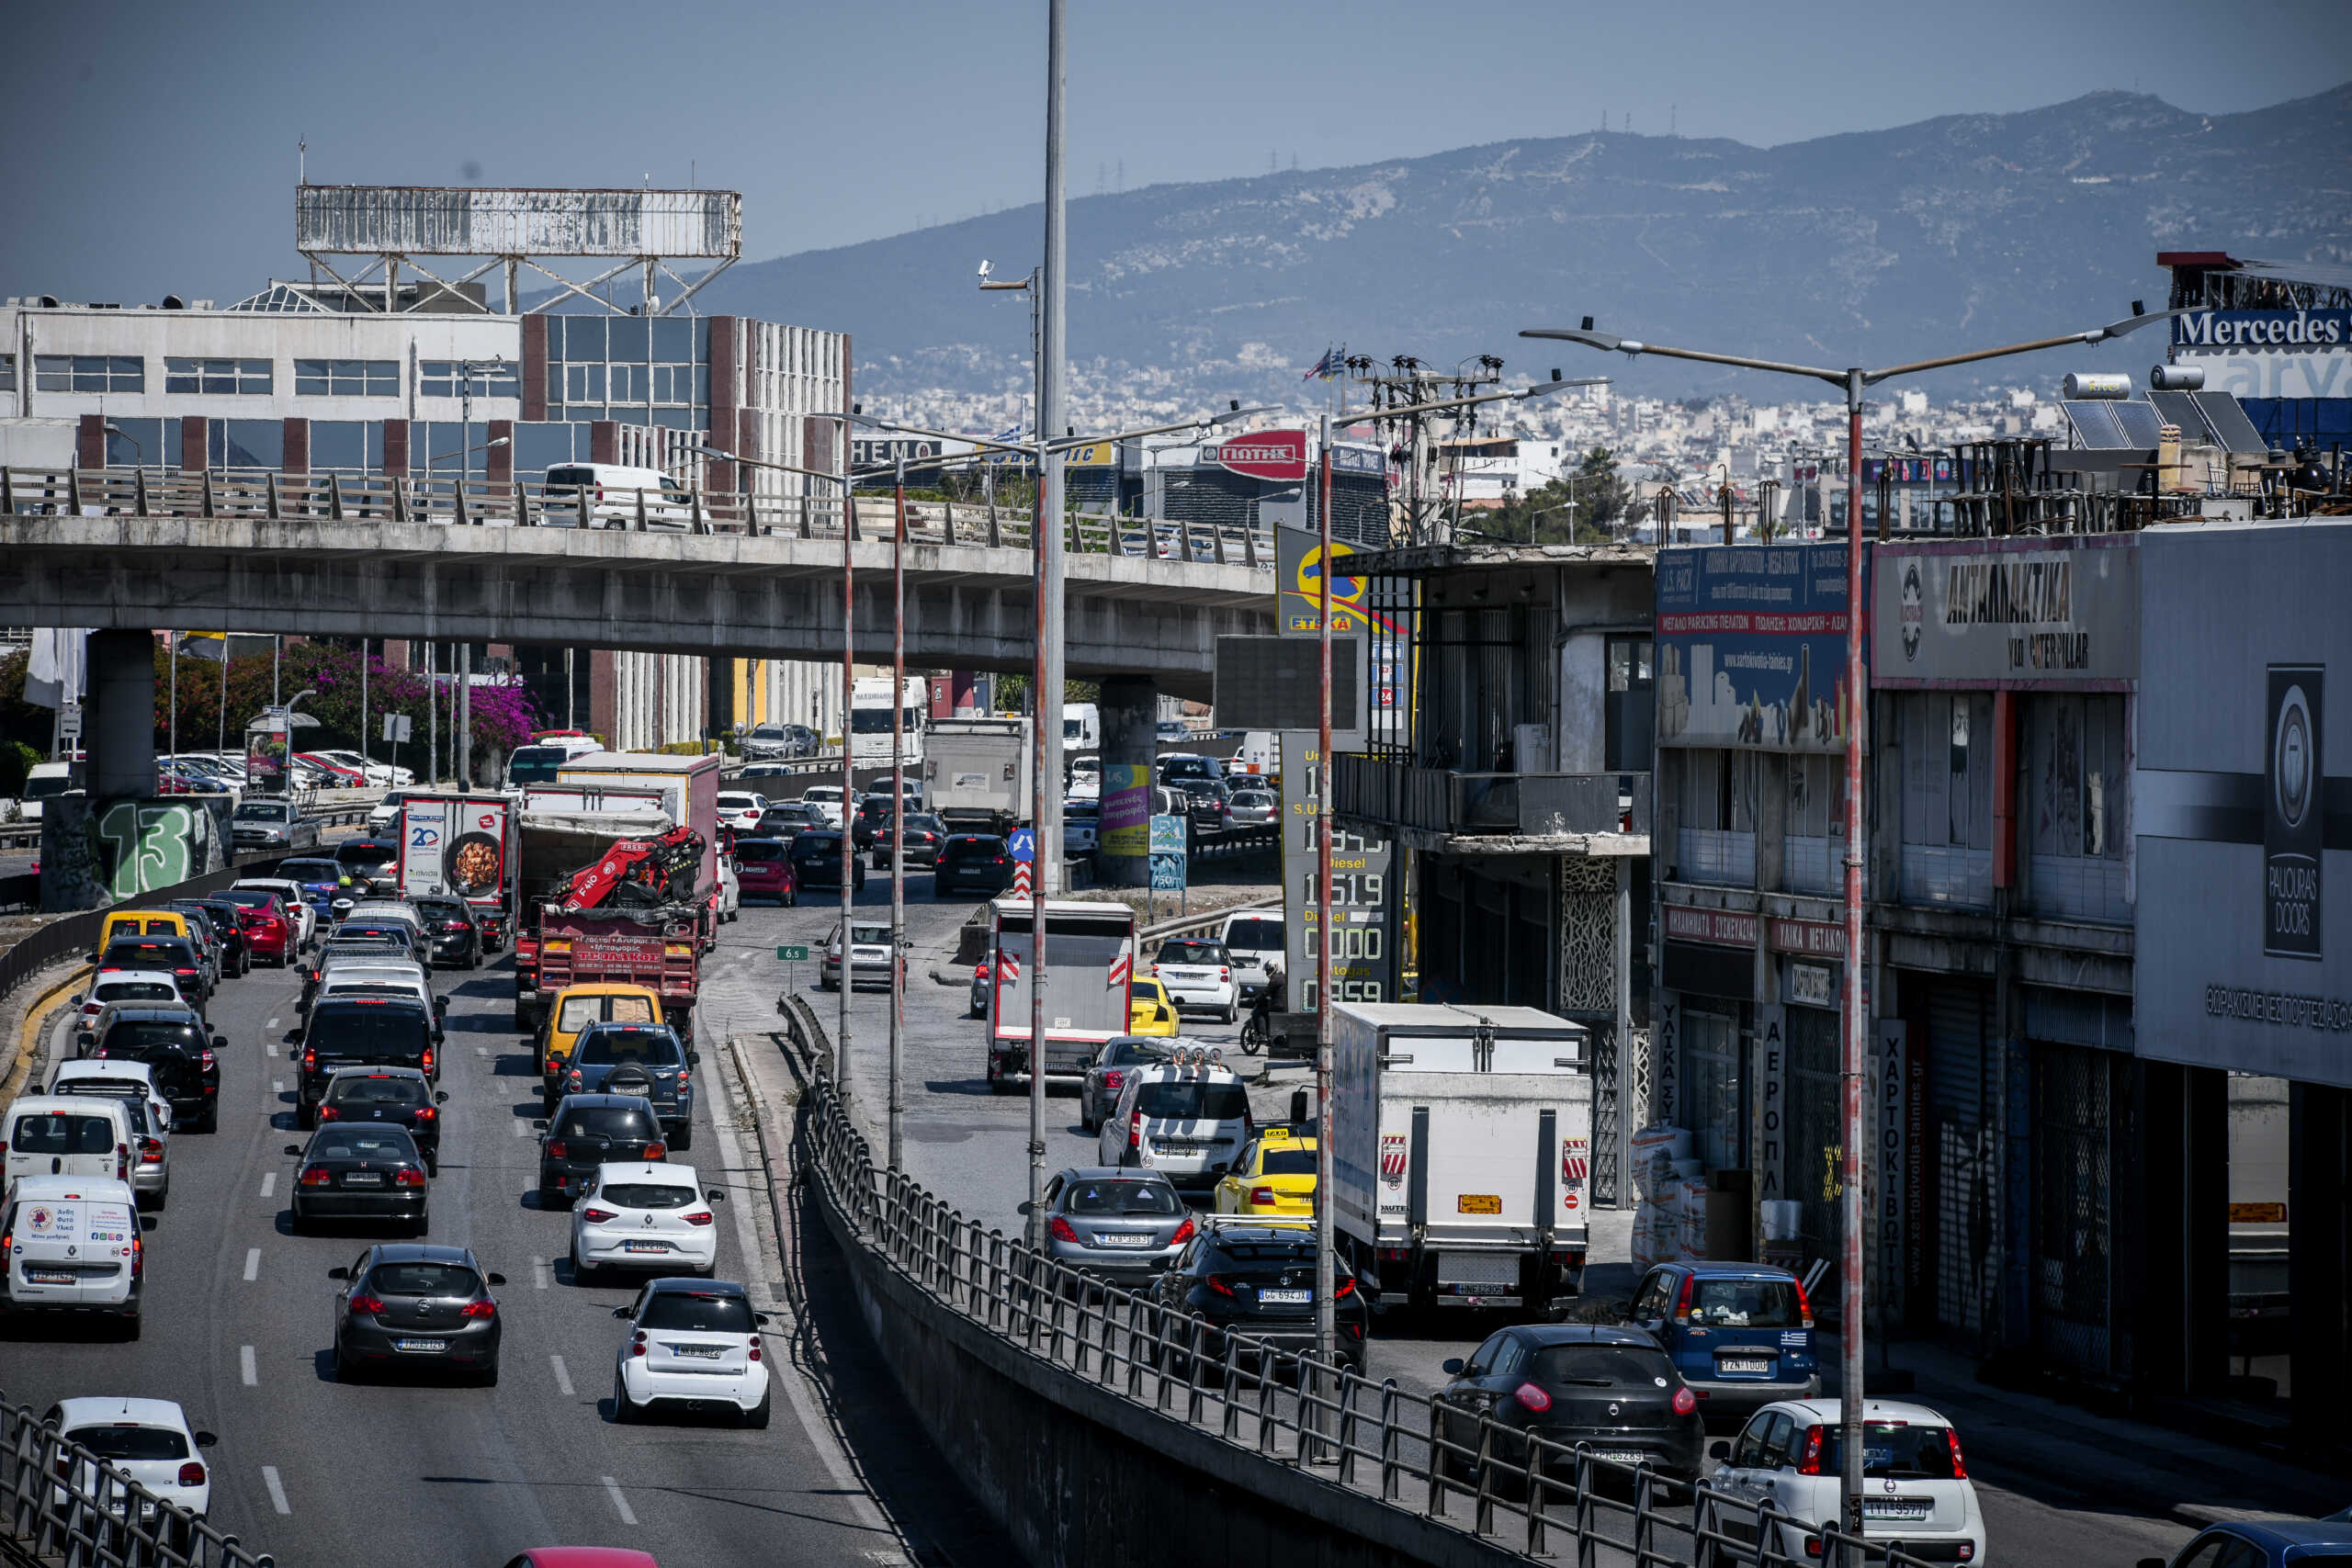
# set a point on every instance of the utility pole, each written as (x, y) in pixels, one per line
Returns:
(465, 719)
(849, 747)
(432, 714)
(898, 821)
(365, 758)
(1327, 1340)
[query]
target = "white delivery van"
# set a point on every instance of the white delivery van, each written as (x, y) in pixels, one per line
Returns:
(74, 1245)
(67, 1134)
(1461, 1142)
(613, 492)
(42, 781)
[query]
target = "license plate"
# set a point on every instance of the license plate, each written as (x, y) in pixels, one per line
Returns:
(1743, 1364)
(1622, 1456)
(51, 1276)
(645, 1246)
(1286, 1298)
(421, 1345)
(363, 1178)
(698, 1352)
(1479, 1203)
(1123, 1240)
(1895, 1507)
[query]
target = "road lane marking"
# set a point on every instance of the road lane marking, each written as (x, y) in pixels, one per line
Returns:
(620, 1504)
(247, 1373)
(522, 1128)
(271, 1024)
(252, 1264)
(269, 1049)
(269, 1184)
(484, 1050)
(278, 1085)
(562, 1377)
(541, 1269)
(276, 1489)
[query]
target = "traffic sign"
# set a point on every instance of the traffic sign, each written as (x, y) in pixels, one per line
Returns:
(69, 722)
(1168, 873)
(1024, 844)
(791, 953)
(397, 727)
(1167, 834)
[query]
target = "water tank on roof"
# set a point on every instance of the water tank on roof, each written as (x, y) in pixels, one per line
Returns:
(2176, 378)
(2080, 385)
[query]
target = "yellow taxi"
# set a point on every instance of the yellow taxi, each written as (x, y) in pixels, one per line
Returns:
(1150, 1011)
(1275, 1175)
(576, 1006)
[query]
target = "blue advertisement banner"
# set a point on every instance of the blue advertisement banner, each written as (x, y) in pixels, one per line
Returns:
(1751, 647)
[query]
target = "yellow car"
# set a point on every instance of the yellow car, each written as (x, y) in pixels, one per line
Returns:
(1148, 1009)
(1275, 1175)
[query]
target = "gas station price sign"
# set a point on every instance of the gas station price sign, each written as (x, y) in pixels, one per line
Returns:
(1363, 894)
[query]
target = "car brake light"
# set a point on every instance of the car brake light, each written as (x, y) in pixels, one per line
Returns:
(597, 1216)
(1063, 1230)
(699, 1217)
(427, 1113)
(1344, 1285)
(329, 1113)
(191, 1474)
(481, 1309)
(1262, 1194)
(138, 1257)
(310, 1058)
(428, 1058)
(123, 1162)
(316, 1175)
(637, 1343)
(1532, 1397)
(1224, 975)
(1804, 1304)
(368, 1303)
(657, 1151)
(1135, 1130)
(684, 1076)
(1183, 1232)
(408, 1175)
(1220, 1284)
(1810, 1463)
(1958, 1465)
(555, 1149)
(1682, 1302)
(210, 1059)
(1685, 1401)
(555, 1064)
(756, 1346)
(151, 1149)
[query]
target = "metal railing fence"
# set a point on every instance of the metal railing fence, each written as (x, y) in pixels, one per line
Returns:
(67, 1505)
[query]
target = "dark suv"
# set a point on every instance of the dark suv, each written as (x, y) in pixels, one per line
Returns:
(973, 862)
(590, 1130)
(363, 1032)
(641, 1059)
(174, 1043)
(817, 861)
(401, 1096)
(1207, 802)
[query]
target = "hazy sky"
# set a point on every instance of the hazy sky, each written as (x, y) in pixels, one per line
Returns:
(152, 147)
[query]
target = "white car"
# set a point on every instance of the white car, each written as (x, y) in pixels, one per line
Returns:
(1256, 941)
(1198, 973)
(75, 1242)
(149, 1439)
(827, 799)
(157, 987)
(691, 1342)
(740, 809)
(384, 813)
(643, 1214)
(380, 776)
(1915, 1481)
(289, 893)
(123, 1079)
(1188, 1120)
(731, 890)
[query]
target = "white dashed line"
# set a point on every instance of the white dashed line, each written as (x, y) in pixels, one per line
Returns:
(620, 1504)
(271, 1024)
(247, 1373)
(252, 1264)
(540, 1271)
(269, 1184)
(563, 1386)
(278, 1085)
(484, 1050)
(276, 1489)
(269, 1049)
(522, 1128)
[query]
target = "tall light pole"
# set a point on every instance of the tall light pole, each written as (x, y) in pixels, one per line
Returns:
(898, 819)
(1856, 1058)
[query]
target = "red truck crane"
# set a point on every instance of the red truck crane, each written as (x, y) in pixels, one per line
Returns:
(629, 916)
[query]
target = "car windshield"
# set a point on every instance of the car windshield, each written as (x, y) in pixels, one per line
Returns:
(48, 784)
(1918, 1453)
(578, 1012)
(758, 851)
(617, 1122)
(425, 1280)
(129, 1441)
(264, 811)
(648, 1047)
(1601, 1366)
(148, 955)
(136, 991)
(61, 1133)
(972, 849)
(376, 1091)
(1288, 1162)
(249, 897)
(817, 847)
(1121, 1198)
(441, 908)
(647, 1195)
(1262, 1255)
(312, 871)
(362, 1143)
(367, 854)
(366, 1029)
(151, 1035)
(1125, 1052)
(533, 764)
(869, 936)
(1745, 1303)
(1192, 953)
(697, 1312)
(1192, 1100)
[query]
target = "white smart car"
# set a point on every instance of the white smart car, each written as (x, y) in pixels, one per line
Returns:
(740, 809)
(1914, 1479)
(645, 1215)
(150, 1439)
(691, 1345)
(1198, 973)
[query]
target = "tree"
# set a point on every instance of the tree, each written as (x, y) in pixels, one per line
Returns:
(1578, 508)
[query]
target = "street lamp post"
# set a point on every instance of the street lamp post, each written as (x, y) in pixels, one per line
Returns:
(898, 819)
(1854, 381)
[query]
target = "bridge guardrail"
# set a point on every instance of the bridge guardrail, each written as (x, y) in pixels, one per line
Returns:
(360, 498)
(1544, 1500)
(65, 1504)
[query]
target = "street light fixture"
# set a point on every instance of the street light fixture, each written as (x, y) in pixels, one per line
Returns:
(1853, 380)
(492, 444)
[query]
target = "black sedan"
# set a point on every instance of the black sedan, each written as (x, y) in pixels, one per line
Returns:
(1258, 1280)
(925, 833)
(787, 819)
(406, 1308)
(817, 860)
(590, 1130)
(451, 938)
(971, 863)
(1207, 802)
(1569, 1383)
(365, 1172)
(400, 1096)
(180, 1054)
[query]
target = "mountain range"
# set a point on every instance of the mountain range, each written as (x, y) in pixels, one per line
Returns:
(1874, 247)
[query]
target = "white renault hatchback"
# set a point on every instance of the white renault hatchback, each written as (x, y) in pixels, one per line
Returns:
(692, 1345)
(1915, 1481)
(150, 1439)
(646, 1215)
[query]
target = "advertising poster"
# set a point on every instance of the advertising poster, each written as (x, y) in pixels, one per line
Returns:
(1125, 824)
(1751, 647)
(2058, 612)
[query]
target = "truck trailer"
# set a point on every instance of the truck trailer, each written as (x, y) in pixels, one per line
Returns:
(1090, 963)
(978, 774)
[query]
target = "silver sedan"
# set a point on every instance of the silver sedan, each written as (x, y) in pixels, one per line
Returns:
(1123, 1225)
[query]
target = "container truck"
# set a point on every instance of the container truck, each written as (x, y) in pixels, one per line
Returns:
(869, 722)
(688, 787)
(978, 773)
(1090, 962)
(462, 846)
(1461, 1142)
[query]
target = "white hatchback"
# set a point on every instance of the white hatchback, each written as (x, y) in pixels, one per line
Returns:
(1187, 1120)
(148, 1439)
(645, 1215)
(1915, 1481)
(1198, 973)
(157, 987)
(740, 809)
(692, 1344)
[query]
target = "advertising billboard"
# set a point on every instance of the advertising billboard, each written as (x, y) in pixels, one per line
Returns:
(2243, 809)
(1278, 455)
(2060, 612)
(1751, 646)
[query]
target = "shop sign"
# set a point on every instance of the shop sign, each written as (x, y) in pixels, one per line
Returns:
(1815, 985)
(1818, 939)
(1724, 928)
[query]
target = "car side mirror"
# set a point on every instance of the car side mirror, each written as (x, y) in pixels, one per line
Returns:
(294, 1150)
(620, 1311)
(715, 1196)
(538, 1122)
(440, 1004)
(441, 1097)
(219, 1043)
(1719, 1450)
(760, 1318)
(74, 1001)
(206, 1439)
(338, 1273)
(1026, 1207)
(498, 1279)
(1451, 1366)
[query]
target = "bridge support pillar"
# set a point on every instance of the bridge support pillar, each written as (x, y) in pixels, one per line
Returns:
(119, 731)
(1129, 709)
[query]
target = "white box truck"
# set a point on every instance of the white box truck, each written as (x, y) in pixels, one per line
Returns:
(977, 775)
(1462, 1142)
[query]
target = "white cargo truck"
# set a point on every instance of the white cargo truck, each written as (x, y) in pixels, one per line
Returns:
(1461, 1143)
(977, 775)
